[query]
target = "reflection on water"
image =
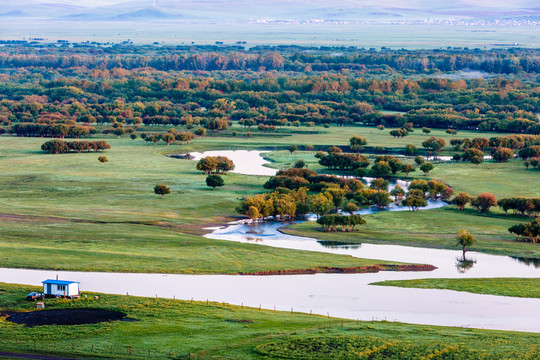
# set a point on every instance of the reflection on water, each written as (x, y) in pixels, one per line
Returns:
(528, 261)
(338, 245)
(247, 162)
(463, 264)
(342, 295)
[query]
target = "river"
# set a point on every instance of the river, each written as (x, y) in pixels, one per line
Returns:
(339, 295)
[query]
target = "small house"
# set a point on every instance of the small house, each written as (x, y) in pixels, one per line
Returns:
(60, 288)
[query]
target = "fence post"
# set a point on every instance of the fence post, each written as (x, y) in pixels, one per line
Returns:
(148, 352)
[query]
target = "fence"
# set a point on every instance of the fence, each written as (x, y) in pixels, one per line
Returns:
(86, 348)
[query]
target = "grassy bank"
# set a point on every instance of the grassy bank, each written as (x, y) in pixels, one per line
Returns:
(433, 228)
(113, 247)
(517, 287)
(182, 328)
(71, 212)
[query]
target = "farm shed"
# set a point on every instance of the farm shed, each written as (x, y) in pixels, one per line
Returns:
(61, 288)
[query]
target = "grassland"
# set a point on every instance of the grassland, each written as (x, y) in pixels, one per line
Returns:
(182, 329)
(71, 212)
(433, 228)
(518, 287)
(118, 247)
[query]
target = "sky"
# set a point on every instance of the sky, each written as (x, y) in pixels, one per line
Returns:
(393, 3)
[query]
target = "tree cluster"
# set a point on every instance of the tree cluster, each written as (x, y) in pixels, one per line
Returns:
(217, 164)
(61, 147)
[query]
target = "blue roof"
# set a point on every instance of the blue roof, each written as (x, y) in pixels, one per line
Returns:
(59, 282)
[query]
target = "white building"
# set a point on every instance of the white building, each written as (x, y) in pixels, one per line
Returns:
(62, 288)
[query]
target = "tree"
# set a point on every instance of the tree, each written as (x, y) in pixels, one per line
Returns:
(162, 190)
(253, 213)
(299, 164)
(461, 200)
(395, 165)
(477, 160)
(357, 143)
(484, 202)
(398, 193)
(410, 149)
(214, 180)
(381, 199)
(381, 169)
(427, 167)
(434, 144)
(408, 168)
(414, 202)
(224, 164)
(320, 204)
(360, 172)
(379, 184)
(419, 160)
(293, 148)
(350, 207)
(464, 239)
(133, 136)
(103, 159)
(502, 154)
(426, 130)
(207, 164)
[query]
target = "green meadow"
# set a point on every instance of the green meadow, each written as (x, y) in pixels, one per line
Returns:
(518, 287)
(107, 217)
(164, 328)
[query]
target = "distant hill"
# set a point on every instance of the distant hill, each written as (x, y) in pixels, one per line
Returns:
(148, 13)
(15, 14)
(244, 10)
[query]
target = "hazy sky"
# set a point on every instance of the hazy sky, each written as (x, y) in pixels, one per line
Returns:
(393, 3)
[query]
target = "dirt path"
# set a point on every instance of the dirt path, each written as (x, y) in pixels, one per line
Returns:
(33, 356)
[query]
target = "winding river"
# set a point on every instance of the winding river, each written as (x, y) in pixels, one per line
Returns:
(339, 295)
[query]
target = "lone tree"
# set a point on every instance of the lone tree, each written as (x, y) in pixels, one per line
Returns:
(103, 159)
(162, 190)
(293, 148)
(483, 202)
(427, 167)
(461, 200)
(357, 143)
(434, 144)
(214, 180)
(464, 239)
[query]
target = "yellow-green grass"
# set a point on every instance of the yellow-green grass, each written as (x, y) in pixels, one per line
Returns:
(69, 211)
(517, 287)
(215, 330)
(501, 179)
(431, 228)
(325, 137)
(118, 247)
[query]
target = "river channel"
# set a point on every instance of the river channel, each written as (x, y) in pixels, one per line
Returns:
(339, 295)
